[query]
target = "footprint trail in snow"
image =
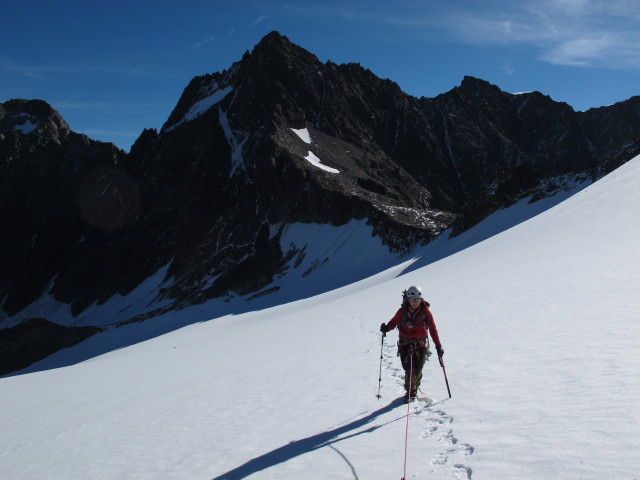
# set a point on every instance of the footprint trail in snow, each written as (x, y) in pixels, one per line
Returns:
(434, 426)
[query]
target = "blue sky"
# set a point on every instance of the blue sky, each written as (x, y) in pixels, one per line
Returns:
(114, 68)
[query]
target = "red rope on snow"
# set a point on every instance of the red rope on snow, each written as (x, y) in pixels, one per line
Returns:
(406, 435)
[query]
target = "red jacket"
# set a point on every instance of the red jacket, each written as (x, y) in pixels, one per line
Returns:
(416, 324)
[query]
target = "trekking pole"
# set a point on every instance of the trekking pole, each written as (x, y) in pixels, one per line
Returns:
(406, 435)
(380, 373)
(445, 374)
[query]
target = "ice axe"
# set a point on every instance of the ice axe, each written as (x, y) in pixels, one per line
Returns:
(445, 374)
(384, 334)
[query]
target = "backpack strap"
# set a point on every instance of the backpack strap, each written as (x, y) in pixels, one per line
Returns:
(422, 317)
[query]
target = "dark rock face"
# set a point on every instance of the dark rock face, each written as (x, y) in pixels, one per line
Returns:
(35, 339)
(42, 167)
(211, 192)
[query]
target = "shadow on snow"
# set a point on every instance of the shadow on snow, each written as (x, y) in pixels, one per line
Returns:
(306, 445)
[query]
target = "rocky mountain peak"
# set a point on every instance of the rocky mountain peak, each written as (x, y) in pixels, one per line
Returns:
(23, 117)
(275, 46)
(477, 86)
(277, 57)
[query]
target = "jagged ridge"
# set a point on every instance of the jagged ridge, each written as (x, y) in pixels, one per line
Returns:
(205, 193)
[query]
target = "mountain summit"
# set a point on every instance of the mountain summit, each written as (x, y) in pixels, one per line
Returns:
(277, 139)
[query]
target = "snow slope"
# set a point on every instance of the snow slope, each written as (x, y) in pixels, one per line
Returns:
(540, 324)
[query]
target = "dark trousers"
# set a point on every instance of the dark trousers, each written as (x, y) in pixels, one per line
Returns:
(413, 355)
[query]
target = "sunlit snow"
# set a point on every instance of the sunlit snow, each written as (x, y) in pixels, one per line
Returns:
(26, 127)
(303, 133)
(311, 157)
(237, 159)
(202, 106)
(316, 162)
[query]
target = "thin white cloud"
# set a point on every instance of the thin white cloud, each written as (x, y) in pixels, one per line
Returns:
(508, 69)
(567, 32)
(202, 42)
(10, 67)
(57, 72)
(231, 31)
(259, 20)
(70, 99)
(580, 51)
(71, 104)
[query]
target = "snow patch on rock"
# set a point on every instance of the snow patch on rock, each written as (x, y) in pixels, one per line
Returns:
(316, 162)
(303, 133)
(202, 106)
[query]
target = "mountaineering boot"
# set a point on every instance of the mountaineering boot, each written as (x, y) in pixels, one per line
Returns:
(409, 396)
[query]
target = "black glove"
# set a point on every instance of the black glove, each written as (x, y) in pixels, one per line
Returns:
(440, 351)
(383, 328)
